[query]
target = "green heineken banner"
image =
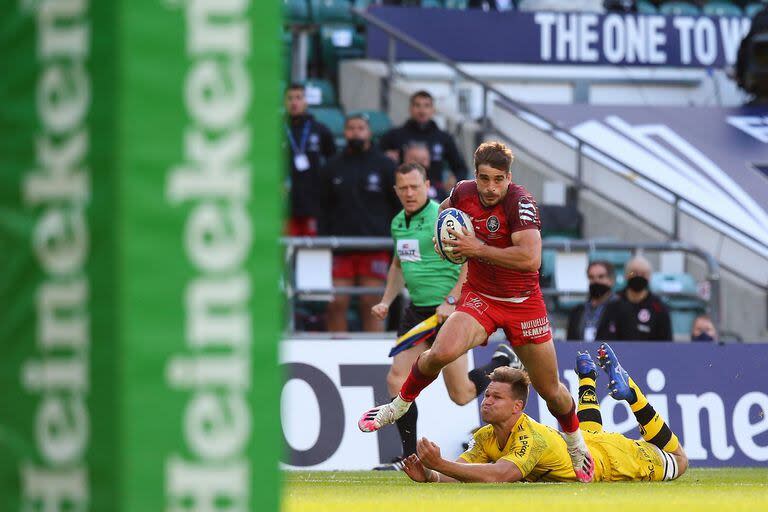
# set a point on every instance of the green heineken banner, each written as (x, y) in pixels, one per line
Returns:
(139, 179)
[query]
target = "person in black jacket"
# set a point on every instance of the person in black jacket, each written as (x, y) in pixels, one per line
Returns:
(357, 198)
(752, 84)
(587, 321)
(638, 315)
(420, 128)
(309, 144)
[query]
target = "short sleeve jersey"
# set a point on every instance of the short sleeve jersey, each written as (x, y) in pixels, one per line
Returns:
(538, 451)
(428, 277)
(494, 226)
(541, 455)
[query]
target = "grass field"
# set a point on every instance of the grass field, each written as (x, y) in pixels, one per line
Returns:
(722, 490)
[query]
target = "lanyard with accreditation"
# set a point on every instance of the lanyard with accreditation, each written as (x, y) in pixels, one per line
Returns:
(300, 160)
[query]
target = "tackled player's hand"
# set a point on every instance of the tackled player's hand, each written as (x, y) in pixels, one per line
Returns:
(415, 470)
(429, 453)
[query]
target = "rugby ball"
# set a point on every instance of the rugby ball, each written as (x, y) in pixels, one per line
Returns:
(451, 218)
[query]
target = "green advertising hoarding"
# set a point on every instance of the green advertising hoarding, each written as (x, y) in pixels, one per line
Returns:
(139, 214)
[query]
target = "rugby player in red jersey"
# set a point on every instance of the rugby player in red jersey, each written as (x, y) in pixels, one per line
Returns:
(501, 291)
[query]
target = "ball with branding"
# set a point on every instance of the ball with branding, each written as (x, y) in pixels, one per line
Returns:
(451, 218)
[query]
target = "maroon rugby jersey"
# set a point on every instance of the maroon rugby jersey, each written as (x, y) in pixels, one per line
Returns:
(494, 226)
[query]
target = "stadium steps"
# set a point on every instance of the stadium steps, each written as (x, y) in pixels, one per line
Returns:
(615, 187)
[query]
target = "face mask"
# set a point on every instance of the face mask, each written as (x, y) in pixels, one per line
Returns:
(356, 145)
(703, 337)
(637, 283)
(597, 290)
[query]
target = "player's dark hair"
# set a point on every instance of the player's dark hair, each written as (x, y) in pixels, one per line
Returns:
(362, 116)
(295, 86)
(409, 168)
(421, 94)
(415, 145)
(517, 379)
(494, 154)
(609, 268)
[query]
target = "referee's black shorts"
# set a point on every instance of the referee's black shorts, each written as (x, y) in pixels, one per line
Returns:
(414, 315)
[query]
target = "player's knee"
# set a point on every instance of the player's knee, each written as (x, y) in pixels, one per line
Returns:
(550, 391)
(441, 356)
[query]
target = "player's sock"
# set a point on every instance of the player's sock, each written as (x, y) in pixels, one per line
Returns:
(415, 383)
(479, 376)
(589, 408)
(406, 425)
(569, 422)
(652, 427)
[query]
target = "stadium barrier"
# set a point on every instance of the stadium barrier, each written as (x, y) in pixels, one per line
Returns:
(712, 396)
(323, 246)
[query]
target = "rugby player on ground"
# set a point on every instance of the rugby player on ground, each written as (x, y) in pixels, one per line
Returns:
(514, 447)
(501, 291)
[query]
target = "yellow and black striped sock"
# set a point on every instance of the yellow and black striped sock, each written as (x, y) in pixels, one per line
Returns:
(652, 427)
(589, 409)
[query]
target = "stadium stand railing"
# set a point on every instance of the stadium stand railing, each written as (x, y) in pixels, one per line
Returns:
(679, 291)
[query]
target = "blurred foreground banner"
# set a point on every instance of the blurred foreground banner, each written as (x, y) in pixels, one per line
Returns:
(139, 305)
(713, 396)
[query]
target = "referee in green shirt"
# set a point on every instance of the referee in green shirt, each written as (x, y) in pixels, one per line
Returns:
(434, 286)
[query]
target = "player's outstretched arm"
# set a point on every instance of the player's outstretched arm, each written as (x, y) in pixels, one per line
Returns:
(498, 472)
(395, 284)
(416, 471)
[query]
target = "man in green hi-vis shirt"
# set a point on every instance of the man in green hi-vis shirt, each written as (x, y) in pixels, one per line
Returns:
(434, 286)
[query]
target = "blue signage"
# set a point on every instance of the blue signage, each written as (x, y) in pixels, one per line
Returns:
(563, 38)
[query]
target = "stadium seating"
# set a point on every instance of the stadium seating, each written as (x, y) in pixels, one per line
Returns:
(548, 257)
(320, 93)
(296, 12)
(363, 5)
(331, 11)
(455, 4)
(679, 9)
(617, 258)
(719, 8)
(683, 310)
(331, 117)
(644, 7)
(340, 42)
(752, 9)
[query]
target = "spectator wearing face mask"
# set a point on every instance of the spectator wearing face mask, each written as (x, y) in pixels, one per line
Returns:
(638, 314)
(703, 329)
(587, 321)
